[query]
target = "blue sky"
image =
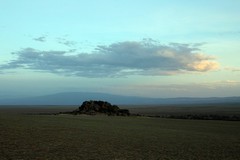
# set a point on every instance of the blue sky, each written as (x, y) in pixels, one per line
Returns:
(146, 48)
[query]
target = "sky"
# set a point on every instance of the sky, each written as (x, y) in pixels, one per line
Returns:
(153, 48)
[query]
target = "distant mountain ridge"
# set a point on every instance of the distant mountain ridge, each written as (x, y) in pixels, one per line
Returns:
(76, 98)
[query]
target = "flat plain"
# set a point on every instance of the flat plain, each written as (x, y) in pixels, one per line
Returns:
(24, 135)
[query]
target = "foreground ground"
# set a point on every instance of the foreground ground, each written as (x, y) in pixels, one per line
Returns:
(104, 137)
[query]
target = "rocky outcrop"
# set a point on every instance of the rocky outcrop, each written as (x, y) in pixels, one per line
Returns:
(95, 107)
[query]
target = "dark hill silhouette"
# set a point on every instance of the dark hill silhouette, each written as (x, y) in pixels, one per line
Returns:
(74, 98)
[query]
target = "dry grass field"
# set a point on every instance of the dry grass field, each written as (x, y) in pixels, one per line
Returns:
(26, 136)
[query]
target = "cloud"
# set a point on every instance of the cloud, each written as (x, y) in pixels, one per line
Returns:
(146, 57)
(204, 65)
(189, 86)
(66, 42)
(233, 69)
(40, 39)
(197, 89)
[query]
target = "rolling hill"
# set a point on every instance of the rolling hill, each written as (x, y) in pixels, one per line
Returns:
(76, 98)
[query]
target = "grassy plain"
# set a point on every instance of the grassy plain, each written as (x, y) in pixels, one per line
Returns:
(161, 110)
(61, 137)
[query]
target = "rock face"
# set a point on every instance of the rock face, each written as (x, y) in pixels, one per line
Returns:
(94, 107)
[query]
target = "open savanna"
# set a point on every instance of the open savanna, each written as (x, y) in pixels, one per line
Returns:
(31, 136)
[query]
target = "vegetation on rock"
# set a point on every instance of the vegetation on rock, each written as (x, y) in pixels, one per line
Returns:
(94, 107)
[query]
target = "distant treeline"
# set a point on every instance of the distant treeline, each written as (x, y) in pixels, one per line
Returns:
(188, 116)
(202, 117)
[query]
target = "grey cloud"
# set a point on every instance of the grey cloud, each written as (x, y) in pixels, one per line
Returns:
(40, 39)
(66, 42)
(217, 88)
(145, 57)
(233, 69)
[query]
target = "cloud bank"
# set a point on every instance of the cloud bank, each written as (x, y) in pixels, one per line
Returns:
(40, 39)
(146, 57)
(66, 42)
